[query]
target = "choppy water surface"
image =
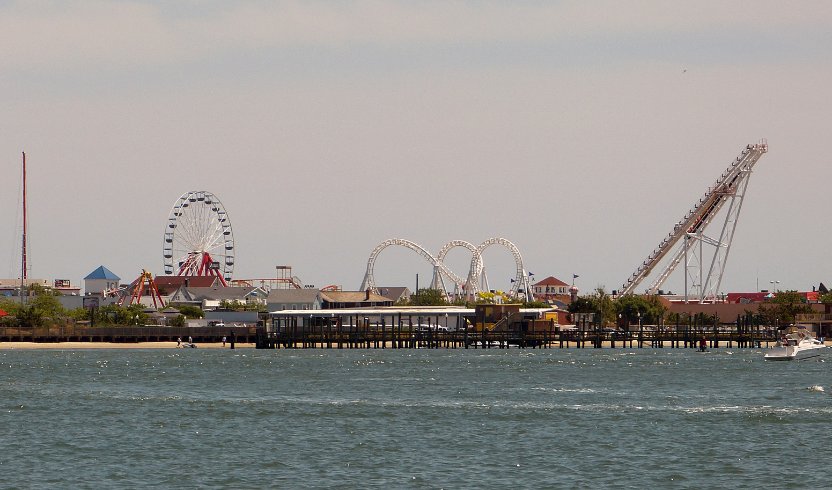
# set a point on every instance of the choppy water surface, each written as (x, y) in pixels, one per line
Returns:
(412, 418)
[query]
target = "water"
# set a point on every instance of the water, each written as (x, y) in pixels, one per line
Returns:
(411, 419)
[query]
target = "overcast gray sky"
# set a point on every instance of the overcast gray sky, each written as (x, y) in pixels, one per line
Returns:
(581, 131)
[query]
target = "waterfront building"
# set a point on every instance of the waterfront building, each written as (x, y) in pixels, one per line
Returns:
(210, 298)
(167, 285)
(397, 293)
(765, 296)
(100, 281)
(550, 290)
(294, 299)
(11, 287)
(353, 299)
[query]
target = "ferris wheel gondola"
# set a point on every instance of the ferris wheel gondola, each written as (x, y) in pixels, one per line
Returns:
(198, 239)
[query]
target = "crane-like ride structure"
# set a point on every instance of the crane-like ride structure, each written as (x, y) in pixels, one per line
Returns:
(144, 285)
(686, 242)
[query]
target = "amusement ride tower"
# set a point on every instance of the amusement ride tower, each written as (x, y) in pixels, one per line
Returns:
(687, 242)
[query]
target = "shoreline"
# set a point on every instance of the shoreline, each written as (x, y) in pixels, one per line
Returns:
(112, 345)
(250, 345)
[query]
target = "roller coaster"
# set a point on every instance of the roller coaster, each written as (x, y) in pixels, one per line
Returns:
(686, 242)
(476, 280)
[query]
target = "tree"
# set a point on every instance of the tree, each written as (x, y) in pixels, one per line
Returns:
(35, 289)
(606, 306)
(29, 317)
(191, 311)
(49, 306)
(647, 308)
(583, 304)
(428, 297)
(134, 315)
(599, 302)
(120, 315)
(8, 321)
(177, 321)
(79, 314)
(237, 305)
(9, 306)
(38, 310)
(784, 308)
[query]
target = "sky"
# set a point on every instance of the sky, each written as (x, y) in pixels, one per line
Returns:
(581, 131)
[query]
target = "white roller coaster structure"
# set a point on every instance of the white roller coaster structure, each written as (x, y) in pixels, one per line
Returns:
(476, 280)
(702, 283)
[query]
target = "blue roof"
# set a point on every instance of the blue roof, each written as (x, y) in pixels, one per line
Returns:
(102, 273)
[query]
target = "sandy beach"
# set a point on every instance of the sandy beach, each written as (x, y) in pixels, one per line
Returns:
(239, 345)
(112, 345)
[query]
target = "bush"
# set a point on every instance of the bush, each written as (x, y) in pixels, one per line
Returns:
(177, 321)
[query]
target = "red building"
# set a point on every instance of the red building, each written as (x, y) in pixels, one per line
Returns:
(550, 289)
(764, 296)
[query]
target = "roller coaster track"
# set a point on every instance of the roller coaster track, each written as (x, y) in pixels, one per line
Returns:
(476, 270)
(467, 287)
(680, 243)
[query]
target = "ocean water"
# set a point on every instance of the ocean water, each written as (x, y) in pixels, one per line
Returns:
(205, 418)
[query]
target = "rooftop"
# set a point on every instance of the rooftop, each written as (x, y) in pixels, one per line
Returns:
(550, 281)
(102, 273)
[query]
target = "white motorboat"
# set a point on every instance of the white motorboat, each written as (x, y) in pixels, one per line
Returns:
(796, 344)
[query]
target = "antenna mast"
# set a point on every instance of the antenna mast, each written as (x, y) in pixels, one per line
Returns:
(23, 265)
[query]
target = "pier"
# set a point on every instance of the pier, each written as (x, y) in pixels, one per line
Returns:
(485, 327)
(377, 337)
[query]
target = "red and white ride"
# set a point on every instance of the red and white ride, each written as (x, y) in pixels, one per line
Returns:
(198, 239)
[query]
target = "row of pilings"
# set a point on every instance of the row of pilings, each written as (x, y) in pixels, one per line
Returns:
(391, 338)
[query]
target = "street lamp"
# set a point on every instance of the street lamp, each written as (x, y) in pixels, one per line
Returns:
(774, 285)
(640, 331)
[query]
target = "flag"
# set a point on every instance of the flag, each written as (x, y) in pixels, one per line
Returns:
(531, 274)
(575, 276)
(513, 280)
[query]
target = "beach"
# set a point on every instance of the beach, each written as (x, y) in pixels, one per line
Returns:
(250, 345)
(112, 345)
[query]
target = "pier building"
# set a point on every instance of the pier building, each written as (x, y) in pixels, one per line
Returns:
(397, 327)
(99, 281)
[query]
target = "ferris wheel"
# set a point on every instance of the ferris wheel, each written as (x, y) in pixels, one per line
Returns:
(198, 239)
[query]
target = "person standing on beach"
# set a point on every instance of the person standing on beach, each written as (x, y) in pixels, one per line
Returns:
(703, 344)
(179, 342)
(223, 341)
